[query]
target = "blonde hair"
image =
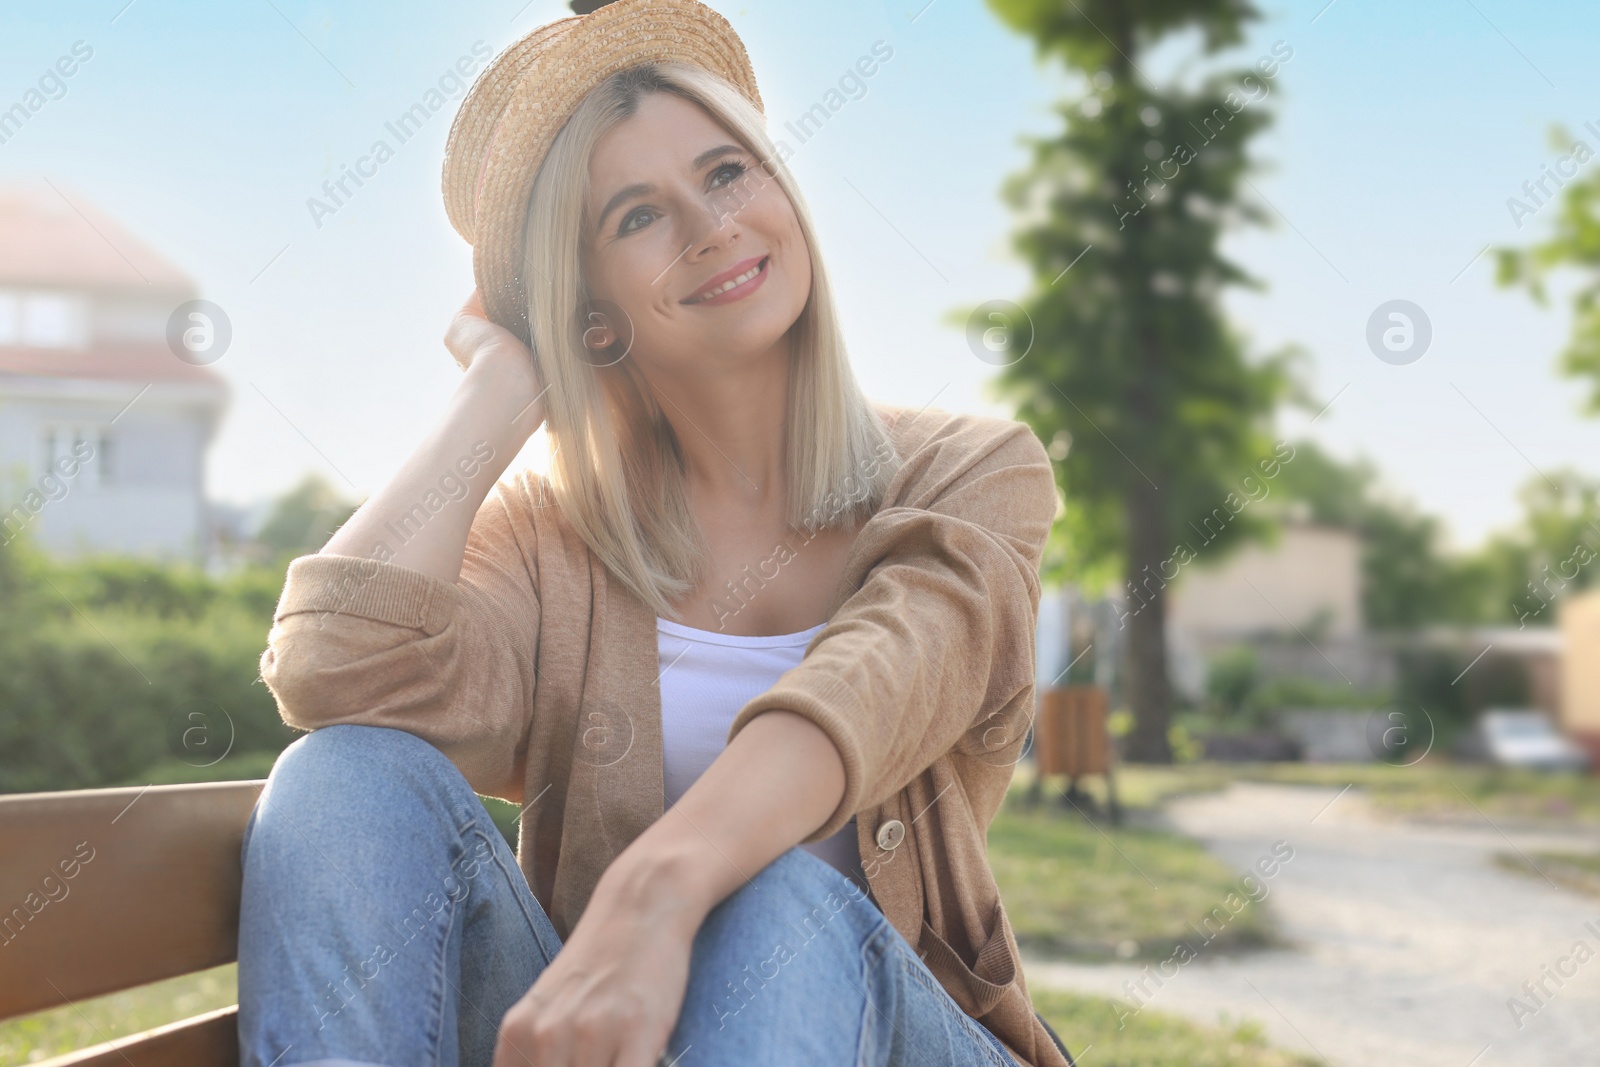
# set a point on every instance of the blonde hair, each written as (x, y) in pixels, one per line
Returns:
(616, 470)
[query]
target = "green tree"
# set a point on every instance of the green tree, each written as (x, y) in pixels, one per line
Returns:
(1554, 553)
(1408, 578)
(1573, 244)
(304, 518)
(1133, 379)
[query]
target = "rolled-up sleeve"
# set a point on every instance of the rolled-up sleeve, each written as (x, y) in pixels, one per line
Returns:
(362, 641)
(939, 635)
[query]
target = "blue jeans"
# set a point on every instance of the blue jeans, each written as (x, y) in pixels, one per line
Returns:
(385, 921)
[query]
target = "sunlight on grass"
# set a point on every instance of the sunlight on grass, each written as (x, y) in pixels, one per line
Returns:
(1432, 788)
(88, 1022)
(1156, 1039)
(1076, 889)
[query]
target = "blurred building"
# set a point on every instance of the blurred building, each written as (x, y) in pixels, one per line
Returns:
(1296, 602)
(1580, 670)
(103, 430)
(1501, 661)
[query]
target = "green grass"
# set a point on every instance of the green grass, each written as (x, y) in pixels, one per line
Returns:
(1149, 1039)
(1431, 788)
(1069, 887)
(1436, 788)
(88, 1022)
(1156, 1039)
(1575, 870)
(1090, 892)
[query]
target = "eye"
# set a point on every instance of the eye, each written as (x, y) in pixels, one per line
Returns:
(628, 220)
(732, 168)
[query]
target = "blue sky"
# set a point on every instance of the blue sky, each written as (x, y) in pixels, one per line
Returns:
(1401, 131)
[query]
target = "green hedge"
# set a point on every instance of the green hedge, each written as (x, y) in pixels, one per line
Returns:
(109, 667)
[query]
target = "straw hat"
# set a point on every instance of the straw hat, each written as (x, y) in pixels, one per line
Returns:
(525, 95)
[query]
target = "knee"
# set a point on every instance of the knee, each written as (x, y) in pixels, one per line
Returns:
(363, 776)
(351, 758)
(781, 961)
(801, 894)
(800, 876)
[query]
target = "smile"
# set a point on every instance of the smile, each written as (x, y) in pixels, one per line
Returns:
(734, 288)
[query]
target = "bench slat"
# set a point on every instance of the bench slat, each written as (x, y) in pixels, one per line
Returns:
(105, 889)
(209, 1040)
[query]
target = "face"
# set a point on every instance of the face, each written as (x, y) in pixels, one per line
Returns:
(677, 210)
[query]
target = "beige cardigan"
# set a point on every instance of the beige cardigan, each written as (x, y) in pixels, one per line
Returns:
(536, 673)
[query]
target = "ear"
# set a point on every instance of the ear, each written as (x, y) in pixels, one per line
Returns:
(598, 333)
(606, 333)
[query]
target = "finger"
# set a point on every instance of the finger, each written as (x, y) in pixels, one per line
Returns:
(627, 1034)
(580, 1037)
(464, 336)
(512, 1052)
(642, 1046)
(474, 305)
(547, 1034)
(514, 1045)
(591, 1046)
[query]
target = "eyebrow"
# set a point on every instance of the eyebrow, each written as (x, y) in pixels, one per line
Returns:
(641, 188)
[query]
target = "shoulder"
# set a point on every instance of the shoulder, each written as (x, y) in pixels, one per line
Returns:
(939, 447)
(521, 510)
(980, 469)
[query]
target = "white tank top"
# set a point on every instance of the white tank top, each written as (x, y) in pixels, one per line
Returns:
(706, 677)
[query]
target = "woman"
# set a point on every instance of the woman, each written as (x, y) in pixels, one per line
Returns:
(755, 660)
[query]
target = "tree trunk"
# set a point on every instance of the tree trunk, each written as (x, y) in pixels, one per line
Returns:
(1145, 615)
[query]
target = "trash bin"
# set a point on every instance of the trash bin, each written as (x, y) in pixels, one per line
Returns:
(1070, 738)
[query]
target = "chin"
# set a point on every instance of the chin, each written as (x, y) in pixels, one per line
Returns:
(755, 333)
(750, 342)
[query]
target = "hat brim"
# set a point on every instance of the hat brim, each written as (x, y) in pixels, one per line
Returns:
(506, 123)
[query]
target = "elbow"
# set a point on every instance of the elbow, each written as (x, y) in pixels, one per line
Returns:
(295, 685)
(315, 681)
(351, 673)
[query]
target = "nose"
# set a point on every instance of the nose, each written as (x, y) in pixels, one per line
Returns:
(715, 225)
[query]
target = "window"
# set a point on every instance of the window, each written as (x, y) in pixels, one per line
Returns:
(104, 472)
(43, 319)
(88, 448)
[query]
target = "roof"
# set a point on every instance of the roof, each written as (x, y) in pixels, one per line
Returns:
(147, 363)
(1513, 640)
(53, 236)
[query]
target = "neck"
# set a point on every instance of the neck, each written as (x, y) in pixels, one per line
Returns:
(731, 425)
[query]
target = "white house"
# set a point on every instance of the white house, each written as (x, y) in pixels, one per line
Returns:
(103, 429)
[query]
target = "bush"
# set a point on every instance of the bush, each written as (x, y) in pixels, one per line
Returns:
(109, 667)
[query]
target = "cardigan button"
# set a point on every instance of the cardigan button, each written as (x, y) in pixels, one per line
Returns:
(890, 834)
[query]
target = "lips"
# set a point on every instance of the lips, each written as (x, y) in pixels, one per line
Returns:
(739, 275)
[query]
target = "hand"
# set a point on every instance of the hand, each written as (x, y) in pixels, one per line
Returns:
(471, 336)
(612, 995)
(486, 350)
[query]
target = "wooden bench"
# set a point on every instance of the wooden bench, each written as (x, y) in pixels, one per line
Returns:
(106, 889)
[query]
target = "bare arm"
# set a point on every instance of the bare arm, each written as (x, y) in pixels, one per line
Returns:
(494, 411)
(613, 993)
(775, 783)
(422, 613)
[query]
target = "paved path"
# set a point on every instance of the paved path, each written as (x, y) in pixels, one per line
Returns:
(1408, 939)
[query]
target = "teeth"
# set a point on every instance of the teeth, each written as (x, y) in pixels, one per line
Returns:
(731, 283)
